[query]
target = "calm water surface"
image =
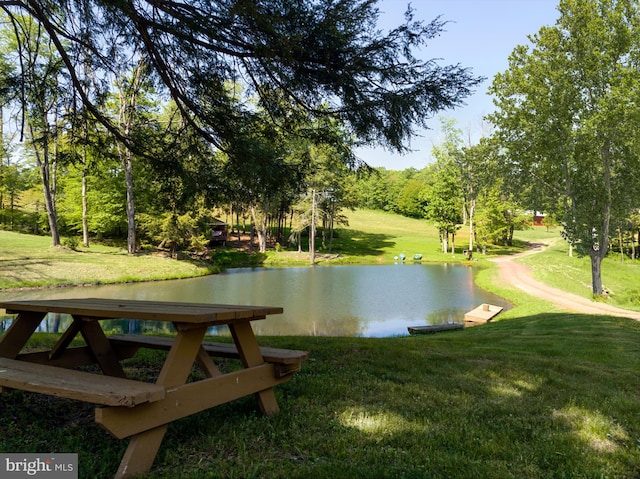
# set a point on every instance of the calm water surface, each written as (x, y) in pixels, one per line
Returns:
(368, 301)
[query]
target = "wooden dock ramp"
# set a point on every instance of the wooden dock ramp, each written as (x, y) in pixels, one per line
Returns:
(482, 314)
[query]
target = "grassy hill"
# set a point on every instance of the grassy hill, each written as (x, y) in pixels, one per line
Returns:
(29, 261)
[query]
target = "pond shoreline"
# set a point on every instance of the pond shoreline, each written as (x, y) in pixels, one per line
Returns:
(379, 300)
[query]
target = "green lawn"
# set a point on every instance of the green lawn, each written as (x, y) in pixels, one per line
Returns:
(30, 261)
(377, 236)
(540, 396)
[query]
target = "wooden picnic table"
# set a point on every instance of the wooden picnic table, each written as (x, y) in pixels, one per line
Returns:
(136, 409)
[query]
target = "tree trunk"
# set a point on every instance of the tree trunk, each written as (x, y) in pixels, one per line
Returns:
(621, 243)
(599, 250)
(596, 272)
(50, 205)
(85, 209)
(85, 205)
(312, 230)
(238, 228)
(42, 159)
(324, 232)
(472, 209)
(331, 225)
(126, 156)
(126, 120)
(261, 230)
(131, 207)
(2, 152)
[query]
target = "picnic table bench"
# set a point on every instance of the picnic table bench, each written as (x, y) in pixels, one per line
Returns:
(286, 361)
(136, 409)
(80, 385)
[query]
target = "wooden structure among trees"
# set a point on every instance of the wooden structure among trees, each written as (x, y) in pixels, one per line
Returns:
(218, 233)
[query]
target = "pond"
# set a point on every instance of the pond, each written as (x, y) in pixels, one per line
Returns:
(366, 301)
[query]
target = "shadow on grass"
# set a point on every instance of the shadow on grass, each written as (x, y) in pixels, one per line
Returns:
(360, 243)
(545, 396)
(551, 395)
(517, 246)
(223, 257)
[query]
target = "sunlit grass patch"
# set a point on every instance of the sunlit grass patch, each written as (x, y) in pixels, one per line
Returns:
(593, 428)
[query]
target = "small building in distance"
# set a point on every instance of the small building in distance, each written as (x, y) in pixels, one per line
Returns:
(218, 232)
(538, 218)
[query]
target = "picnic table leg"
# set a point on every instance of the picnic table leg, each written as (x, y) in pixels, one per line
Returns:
(250, 355)
(65, 340)
(207, 364)
(101, 348)
(143, 447)
(21, 329)
(141, 452)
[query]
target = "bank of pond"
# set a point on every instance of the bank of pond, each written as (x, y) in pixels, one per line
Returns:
(351, 301)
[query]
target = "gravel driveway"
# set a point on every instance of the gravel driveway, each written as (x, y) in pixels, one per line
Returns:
(519, 275)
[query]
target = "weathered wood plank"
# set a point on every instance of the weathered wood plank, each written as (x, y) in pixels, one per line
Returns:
(482, 314)
(186, 400)
(251, 356)
(221, 350)
(434, 328)
(199, 313)
(101, 349)
(79, 385)
(70, 358)
(19, 332)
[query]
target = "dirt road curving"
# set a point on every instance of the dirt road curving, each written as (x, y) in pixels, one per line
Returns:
(517, 274)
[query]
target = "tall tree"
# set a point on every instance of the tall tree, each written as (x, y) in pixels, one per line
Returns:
(443, 198)
(41, 90)
(129, 92)
(320, 52)
(568, 118)
(444, 195)
(256, 164)
(479, 174)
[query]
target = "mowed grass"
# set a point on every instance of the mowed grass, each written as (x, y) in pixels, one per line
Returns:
(541, 396)
(383, 236)
(375, 236)
(28, 261)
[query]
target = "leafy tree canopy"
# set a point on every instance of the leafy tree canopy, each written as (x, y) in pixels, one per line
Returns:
(327, 56)
(568, 119)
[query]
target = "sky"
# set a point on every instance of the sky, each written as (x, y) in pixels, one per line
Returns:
(480, 35)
